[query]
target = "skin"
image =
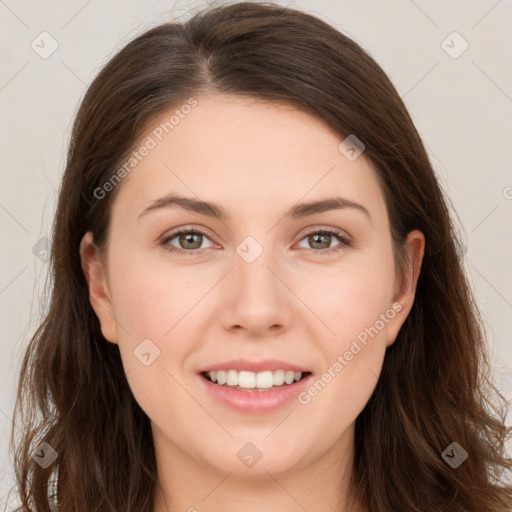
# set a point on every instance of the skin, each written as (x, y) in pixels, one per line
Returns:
(256, 159)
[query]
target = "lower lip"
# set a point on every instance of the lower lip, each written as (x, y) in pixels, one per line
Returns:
(256, 402)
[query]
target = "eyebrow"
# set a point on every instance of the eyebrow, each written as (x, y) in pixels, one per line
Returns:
(217, 211)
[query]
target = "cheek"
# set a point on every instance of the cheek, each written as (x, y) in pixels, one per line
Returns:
(340, 392)
(153, 309)
(152, 298)
(350, 295)
(354, 303)
(352, 362)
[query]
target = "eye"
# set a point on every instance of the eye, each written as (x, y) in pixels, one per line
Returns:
(321, 240)
(191, 240)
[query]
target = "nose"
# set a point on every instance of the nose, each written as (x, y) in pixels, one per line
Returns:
(258, 300)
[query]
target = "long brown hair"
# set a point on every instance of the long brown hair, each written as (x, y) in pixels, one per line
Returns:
(434, 388)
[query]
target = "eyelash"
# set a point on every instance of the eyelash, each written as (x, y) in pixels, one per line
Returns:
(345, 242)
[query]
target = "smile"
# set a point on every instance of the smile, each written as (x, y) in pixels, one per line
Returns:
(246, 380)
(254, 393)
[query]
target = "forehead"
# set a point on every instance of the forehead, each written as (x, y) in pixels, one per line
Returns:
(248, 154)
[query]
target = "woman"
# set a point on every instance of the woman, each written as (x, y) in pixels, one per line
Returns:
(201, 351)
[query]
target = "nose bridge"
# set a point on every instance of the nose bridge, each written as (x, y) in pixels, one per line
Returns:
(258, 297)
(255, 257)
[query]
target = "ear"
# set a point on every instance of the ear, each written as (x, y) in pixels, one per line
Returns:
(404, 298)
(99, 295)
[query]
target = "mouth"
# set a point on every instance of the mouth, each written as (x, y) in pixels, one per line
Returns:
(254, 381)
(256, 388)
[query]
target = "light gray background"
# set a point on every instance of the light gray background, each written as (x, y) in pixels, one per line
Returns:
(461, 106)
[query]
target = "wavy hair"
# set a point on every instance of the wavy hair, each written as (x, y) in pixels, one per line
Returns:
(435, 385)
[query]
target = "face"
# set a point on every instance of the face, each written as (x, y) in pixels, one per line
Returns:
(267, 289)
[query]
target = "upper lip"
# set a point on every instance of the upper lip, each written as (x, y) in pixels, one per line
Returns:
(254, 366)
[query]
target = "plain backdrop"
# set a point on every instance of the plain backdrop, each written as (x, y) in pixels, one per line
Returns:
(450, 62)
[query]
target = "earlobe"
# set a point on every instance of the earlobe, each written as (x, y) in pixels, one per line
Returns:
(99, 295)
(415, 249)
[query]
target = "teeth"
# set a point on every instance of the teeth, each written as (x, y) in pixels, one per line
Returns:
(251, 380)
(264, 380)
(232, 378)
(279, 377)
